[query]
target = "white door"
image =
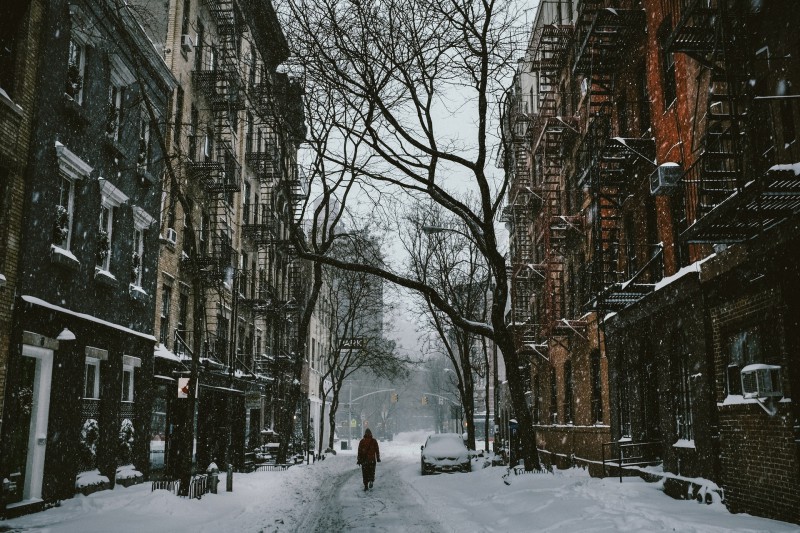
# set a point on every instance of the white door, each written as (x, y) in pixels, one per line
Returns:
(40, 410)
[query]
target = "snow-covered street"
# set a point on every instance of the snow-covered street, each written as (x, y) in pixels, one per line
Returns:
(328, 496)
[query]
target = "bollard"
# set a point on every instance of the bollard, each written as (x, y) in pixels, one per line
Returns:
(229, 479)
(213, 476)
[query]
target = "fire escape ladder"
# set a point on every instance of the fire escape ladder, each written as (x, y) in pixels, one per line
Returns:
(733, 190)
(722, 171)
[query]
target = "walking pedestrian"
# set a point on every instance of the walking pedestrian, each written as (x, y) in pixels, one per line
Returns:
(368, 455)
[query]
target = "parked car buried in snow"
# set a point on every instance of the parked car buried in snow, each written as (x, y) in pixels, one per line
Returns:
(445, 452)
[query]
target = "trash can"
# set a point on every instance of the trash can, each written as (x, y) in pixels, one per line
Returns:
(344, 444)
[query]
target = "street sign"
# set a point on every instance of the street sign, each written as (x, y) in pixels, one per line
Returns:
(353, 423)
(183, 387)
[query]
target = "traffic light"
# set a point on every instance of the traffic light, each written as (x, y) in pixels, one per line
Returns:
(424, 400)
(394, 397)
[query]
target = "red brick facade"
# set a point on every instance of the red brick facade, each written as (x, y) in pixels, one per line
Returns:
(684, 130)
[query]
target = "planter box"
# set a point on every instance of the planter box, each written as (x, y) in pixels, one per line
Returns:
(130, 481)
(91, 489)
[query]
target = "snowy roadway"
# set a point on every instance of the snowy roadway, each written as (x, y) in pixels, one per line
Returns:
(328, 497)
(391, 502)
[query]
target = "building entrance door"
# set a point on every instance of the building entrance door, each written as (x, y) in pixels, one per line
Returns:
(30, 417)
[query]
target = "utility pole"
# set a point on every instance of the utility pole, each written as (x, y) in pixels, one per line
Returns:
(349, 418)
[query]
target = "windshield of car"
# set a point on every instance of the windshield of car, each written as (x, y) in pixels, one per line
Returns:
(447, 440)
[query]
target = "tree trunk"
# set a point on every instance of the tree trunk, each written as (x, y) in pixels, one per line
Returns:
(322, 418)
(516, 384)
(332, 417)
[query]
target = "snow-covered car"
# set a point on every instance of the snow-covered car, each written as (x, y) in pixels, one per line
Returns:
(445, 452)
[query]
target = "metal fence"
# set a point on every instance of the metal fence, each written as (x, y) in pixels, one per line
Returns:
(271, 467)
(622, 454)
(198, 486)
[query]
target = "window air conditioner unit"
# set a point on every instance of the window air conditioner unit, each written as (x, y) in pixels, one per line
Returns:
(666, 178)
(761, 381)
(187, 44)
(172, 236)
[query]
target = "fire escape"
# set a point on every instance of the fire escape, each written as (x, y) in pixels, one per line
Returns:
(607, 156)
(742, 182)
(523, 200)
(276, 286)
(214, 168)
(550, 133)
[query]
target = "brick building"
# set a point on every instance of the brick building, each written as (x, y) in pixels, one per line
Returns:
(77, 398)
(662, 134)
(19, 49)
(229, 280)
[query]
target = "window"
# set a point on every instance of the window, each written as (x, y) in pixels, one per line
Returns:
(185, 18)
(65, 213)
(116, 98)
(13, 16)
(166, 307)
(787, 113)
(568, 396)
(91, 379)
(71, 169)
(553, 396)
(684, 426)
(630, 245)
(624, 405)
(744, 349)
(105, 233)
(597, 388)
(145, 157)
(183, 314)
(249, 136)
(141, 221)
(178, 126)
(76, 70)
(111, 198)
(221, 348)
(246, 204)
(193, 132)
(537, 399)
(667, 63)
(199, 46)
(252, 73)
(208, 145)
(136, 257)
(127, 383)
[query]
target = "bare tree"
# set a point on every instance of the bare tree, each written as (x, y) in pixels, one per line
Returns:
(356, 340)
(395, 71)
(447, 259)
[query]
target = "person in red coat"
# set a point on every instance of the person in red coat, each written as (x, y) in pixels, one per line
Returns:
(368, 454)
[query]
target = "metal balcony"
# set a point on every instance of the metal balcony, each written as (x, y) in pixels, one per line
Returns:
(602, 35)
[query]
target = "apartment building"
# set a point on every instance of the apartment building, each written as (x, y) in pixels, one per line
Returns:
(653, 214)
(230, 284)
(77, 403)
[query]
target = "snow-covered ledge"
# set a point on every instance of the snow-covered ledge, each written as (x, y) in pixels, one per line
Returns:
(63, 257)
(9, 103)
(137, 293)
(104, 277)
